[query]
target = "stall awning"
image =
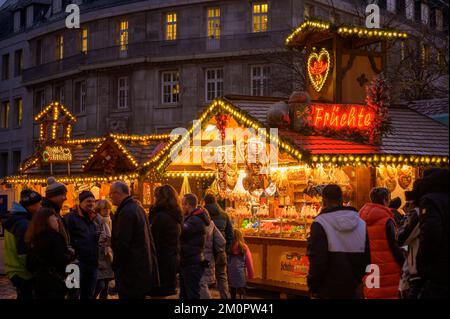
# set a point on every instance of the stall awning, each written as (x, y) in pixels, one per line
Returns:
(324, 145)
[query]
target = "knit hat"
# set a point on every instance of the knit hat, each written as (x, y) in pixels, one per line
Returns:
(54, 188)
(84, 195)
(29, 197)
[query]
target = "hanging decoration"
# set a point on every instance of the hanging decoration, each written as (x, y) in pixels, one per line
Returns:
(221, 124)
(319, 66)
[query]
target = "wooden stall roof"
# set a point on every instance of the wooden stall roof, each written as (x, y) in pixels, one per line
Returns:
(323, 29)
(142, 149)
(415, 133)
(430, 107)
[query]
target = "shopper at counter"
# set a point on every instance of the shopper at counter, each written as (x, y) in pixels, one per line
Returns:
(385, 251)
(338, 249)
(193, 236)
(225, 226)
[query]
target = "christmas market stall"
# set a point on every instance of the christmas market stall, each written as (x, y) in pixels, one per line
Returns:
(269, 158)
(89, 163)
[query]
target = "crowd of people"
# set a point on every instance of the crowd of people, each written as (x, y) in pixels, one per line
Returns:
(378, 253)
(185, 247)
(135, 255)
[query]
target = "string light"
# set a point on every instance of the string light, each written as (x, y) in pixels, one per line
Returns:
(69, 180)
(344, 31)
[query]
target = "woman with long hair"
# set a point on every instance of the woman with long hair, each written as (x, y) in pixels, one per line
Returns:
(105, 273)
(240, 265)
(166, 219)
(48, 255)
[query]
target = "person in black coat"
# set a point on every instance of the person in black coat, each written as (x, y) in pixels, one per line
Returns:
(432, 257)
(166, 219)
(48, 255)
(134, 263)
(225, 226)
(193, 237)
(84, 235)
(394, 205)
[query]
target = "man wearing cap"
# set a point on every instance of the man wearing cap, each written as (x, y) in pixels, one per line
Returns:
(16, 225)
(84, 235)
(55, 196)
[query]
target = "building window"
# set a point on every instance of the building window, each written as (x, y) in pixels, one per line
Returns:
(409, 7)
(213, 23)
(214, 84)
(171, 26)
(18, 112)
(18, 62)
(39, 101)
(80, 97)
(123, 35)
(170, 87)
(260, 17)
(4, 114)
(425, 13)
(39, 52)
(84, 40)
(122, 92)
(17, 158)
(391, 6)
(59, 47)
(59, 94)
(260, 80)
(3, 164)
(5, 67)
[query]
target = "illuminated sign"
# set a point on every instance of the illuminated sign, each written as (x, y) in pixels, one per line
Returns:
(342, 116)
(319, 66)
(52, 154)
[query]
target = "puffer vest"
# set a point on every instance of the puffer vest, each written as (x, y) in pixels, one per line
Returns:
(376, 217)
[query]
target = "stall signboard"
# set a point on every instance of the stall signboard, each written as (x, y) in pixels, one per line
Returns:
(56, 154)
(295, 265)
(341, 117)
(319, 66)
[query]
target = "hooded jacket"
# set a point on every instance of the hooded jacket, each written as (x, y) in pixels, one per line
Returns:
(338, 252)
(193, 237)
(166, 230)
(16, 225)
(222, 222)
(385, 252)
(214, 245)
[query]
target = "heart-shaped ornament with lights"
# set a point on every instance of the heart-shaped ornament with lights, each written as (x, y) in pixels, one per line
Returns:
(319, 66)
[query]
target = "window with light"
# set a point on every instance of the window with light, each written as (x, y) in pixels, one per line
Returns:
(260, 17)
(171, 26)
(84, 40)
(59, 47)
(213, 23)
(123, 35)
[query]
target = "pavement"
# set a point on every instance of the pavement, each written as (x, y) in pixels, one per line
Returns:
(7, 291)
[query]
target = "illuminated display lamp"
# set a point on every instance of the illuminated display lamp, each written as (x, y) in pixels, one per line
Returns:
(318, 67)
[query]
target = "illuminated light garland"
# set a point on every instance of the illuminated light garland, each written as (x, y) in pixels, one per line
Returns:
(345, 31)
(86, 141)
(68, 180)
(199, 174)
(308, 25)
(230, 109)
(372, 160)
(318, 70)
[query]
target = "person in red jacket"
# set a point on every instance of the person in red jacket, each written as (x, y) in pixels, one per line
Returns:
(385, 252)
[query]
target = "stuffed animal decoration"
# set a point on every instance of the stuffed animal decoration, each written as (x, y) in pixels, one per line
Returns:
(299, 102)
